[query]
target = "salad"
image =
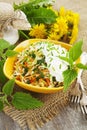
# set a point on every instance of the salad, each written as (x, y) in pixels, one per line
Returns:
(40, 65)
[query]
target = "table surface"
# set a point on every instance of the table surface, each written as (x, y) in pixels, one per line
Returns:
(71, 116)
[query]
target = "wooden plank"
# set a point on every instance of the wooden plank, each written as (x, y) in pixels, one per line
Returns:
(70, 118)
(6, 123)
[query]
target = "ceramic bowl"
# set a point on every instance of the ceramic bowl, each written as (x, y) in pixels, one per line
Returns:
(8, 66)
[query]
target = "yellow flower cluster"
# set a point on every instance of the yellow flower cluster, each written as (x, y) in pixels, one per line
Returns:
(64, 29)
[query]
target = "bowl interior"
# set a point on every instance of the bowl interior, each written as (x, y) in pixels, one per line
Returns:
(8, 66)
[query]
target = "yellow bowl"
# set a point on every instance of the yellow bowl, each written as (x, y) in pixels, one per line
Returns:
(8, 66)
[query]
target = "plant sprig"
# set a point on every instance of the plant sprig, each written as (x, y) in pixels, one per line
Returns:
(19, 100)
(5, 51)
(71, 73)
(37, 11)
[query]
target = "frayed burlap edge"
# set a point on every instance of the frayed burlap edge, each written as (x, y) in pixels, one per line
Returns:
(54, 105)
(32, 119)
(17, 116)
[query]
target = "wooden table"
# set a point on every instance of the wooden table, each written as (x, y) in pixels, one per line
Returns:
(69, 119)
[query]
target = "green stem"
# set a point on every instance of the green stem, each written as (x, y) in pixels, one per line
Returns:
(6, 100)
(21, 6)
(3, 56)
(22, 33)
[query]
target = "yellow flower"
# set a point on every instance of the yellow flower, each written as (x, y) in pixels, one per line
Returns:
(53, 36)
(65, 28)
(38, 31)
(62, 25)
(74, 34)
(69, 19)
(58, 29)
(69, 12)
(76, 18)
(55, 27)
(62, 11)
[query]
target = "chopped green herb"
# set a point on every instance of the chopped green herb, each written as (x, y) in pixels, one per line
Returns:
(60, 66)
(25, 71)
(41, 61)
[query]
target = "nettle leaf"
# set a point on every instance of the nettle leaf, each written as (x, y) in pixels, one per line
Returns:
(8, 87)
(81, 66)
(41, 15)
(2, 76)
(11, 47)
(1, 105)
(24, 101)
(76, 50)
(4, 44)
(70, 61)
(69, 76)
(10, 53)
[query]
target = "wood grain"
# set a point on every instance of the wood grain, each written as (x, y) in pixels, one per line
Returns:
(70, 118)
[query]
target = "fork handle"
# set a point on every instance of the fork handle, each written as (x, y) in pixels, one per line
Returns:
(83, 61)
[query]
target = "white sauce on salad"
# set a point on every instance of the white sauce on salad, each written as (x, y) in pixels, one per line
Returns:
(55, 65)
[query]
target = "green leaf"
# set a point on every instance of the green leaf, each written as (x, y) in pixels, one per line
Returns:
(11, 47)
(33, 3)
(1, 105)
(37, 12)
(76, 50)
(70, 61)
(2, 76)
(41, 2)
(4, 44)
(41, 15)
(10, 53)
(8, 87)
(69, 76)
(81, 66)
(25, 101)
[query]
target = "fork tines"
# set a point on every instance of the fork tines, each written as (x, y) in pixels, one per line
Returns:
(83, 103)
(75, 94)
(75, 99)
(83, 109)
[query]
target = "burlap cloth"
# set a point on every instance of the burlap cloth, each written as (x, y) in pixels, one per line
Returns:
(53, 103)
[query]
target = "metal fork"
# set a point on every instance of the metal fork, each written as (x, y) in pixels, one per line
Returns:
(78, 94)
(83, 96)
(83, 101)
(75, 94)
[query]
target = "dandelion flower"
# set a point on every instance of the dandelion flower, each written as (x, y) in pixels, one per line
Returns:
(74, 34)
(53, 36)
(62, 25)
(38, 31)
(55, 27)
(76, 18)
(65, 28)
(62, 11)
